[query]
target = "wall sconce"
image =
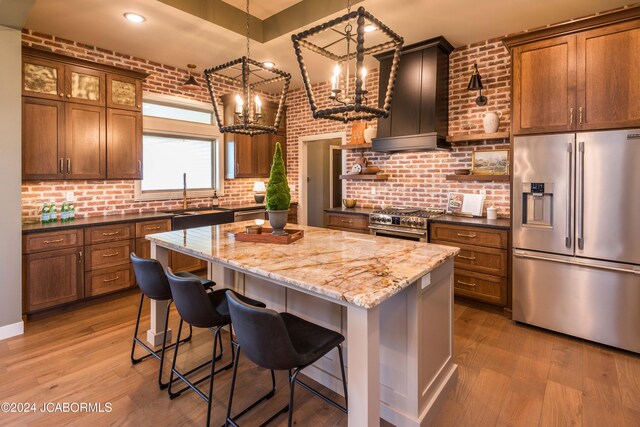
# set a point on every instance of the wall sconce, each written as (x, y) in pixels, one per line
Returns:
(191, 83)
(476, 84)
(259, 190)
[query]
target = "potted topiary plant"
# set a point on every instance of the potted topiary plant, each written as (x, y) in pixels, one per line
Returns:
(278, 194)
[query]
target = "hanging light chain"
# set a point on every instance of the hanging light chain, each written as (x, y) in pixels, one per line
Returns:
(247, 29)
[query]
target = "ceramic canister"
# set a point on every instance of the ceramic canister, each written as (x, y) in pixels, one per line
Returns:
(491, 121)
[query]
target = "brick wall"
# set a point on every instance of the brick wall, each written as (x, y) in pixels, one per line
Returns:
(418, 179)
(107, 197)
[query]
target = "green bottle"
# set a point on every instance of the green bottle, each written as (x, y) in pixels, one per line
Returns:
(53, 213)
(44, 215)
(63, 212)
(72, 211)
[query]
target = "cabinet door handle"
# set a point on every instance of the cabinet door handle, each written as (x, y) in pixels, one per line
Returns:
(111, 280)
(139, 166)
(111, 255)
(344, 221)
(580, 115)
(113, 233)
(473, 285)
(571, 116)
(61, 165)
(61, 94)
(48, 242)
(68, 165)
(157, 227)
(470, 235)
(79, 257)
(68, 95)
(471, 258)
(237, 168)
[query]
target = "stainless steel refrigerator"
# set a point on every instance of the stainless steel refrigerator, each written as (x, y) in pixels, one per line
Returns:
(576, 235)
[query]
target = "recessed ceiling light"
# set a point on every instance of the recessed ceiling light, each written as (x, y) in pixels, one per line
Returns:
(134, 17)
(269, 64)
(369, 28)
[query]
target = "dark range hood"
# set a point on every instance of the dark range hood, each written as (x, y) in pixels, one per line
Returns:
(419, 116)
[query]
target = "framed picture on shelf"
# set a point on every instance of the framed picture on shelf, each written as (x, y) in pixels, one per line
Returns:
(490, 162)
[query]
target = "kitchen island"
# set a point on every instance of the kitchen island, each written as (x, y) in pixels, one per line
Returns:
(392, 299)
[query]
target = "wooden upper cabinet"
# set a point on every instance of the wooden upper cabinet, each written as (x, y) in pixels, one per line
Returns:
(84, 85)
(609, 76)
(264, 148)
(124, 144)
(42, 78)
(42, 139)
(85, 149)
(124, 92)
(544, 79)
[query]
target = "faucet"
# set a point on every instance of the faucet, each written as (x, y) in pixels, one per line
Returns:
(184, 190)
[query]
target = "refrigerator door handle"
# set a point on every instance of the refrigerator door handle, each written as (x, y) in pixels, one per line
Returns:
(522, 254)
(567, 233)
(580, 196)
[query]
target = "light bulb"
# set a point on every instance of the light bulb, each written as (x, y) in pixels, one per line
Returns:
(258, 103)
(239, 104)
(363, 73)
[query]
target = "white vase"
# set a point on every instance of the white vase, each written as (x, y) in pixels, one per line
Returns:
(369, 134)
(491, 121)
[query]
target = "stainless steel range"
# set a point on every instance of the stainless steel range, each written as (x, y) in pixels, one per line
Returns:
(403, 222)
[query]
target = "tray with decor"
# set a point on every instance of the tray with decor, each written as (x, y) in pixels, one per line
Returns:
(266, 237)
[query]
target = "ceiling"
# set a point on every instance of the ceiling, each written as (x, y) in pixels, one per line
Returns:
(175, 37)
(263, 9)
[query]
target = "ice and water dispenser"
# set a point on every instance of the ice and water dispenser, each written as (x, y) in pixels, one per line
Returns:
(537, 204)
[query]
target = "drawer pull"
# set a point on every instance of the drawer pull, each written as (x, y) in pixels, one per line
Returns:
(473, 285)
(471, 258)
(111, 234)
(111, 280)
(344, 221)
(157, 227)
(110, 255)
(470, 235)
(48, 242)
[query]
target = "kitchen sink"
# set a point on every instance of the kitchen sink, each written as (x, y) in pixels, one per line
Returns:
(191, 218)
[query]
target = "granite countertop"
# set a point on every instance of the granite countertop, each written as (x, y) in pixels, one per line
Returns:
(244, 206)
(362, 270)
(350, 211)
(93, 220)
(500, 223)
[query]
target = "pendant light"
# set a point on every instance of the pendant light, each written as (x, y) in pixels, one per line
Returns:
(191, 83)
(347, 96)
(247, 75)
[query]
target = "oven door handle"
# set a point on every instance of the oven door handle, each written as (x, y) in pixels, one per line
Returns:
(399, 232)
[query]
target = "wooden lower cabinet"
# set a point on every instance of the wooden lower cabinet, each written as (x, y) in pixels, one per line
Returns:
(52, 278)
(348, 222)
(481, 268)
(109, 254)
(107, 280)
(181, 262)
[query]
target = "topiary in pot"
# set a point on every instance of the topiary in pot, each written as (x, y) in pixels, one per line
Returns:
(278, 194)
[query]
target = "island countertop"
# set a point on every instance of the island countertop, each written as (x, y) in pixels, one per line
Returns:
(362, 270)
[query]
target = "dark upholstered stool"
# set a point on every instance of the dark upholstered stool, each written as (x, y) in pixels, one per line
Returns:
(153, 284)
(280, 341)
(201, 310)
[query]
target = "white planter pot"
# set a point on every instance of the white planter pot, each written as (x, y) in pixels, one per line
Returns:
(491, 122)
(369, 134)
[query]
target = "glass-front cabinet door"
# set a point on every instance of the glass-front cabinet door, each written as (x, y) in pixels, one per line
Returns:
(124, 92)
(84, 85)
(42, 78)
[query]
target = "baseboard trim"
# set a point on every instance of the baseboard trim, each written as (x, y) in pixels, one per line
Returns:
(11, 330)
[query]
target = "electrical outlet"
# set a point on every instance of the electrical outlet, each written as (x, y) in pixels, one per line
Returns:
(373, 191)
(483, 192)
(70, 197)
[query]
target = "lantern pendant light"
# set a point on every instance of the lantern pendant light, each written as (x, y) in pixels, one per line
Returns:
(347, 98)
(247, 75)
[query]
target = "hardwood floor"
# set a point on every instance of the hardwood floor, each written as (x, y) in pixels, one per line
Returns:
(509, 375)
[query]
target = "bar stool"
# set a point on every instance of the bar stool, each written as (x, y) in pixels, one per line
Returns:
(153, 284)
(280, 341)
(203, 310)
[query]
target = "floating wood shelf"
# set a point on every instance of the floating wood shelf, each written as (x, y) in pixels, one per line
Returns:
(478, 177)
(355, 146)
(478, 137)
(376, 177)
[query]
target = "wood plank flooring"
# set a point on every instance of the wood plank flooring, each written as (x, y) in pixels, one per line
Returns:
(509, 375)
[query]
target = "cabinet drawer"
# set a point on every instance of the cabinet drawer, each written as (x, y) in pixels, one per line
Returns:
(39, 242)
(151, 227)
(348, 222)
(108, 280)
(482, 287)
(108, 233)
(108, 254)
(470, 235)
(480, 259)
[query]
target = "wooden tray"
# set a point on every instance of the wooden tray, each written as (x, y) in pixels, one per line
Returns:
(266, 236)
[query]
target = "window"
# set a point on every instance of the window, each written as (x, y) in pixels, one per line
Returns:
(179, 137)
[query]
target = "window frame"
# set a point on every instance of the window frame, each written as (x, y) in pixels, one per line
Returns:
(183, 129)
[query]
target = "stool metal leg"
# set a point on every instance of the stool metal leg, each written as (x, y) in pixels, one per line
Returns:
(292, 384)
(344, 378)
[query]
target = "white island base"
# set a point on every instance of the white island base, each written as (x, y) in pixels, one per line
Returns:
(414, 344)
